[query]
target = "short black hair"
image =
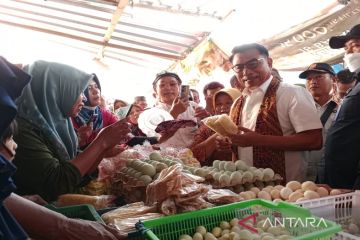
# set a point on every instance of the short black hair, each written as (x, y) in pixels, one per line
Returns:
(9, 131)
(345, 76)
(194, 90)
(166, 74)
(139, 98)
(242, 48)
(212, 85)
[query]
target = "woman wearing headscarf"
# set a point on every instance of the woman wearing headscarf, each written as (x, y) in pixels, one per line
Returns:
(18, 214)
(204, 145)
(92, 118)
(47, 144)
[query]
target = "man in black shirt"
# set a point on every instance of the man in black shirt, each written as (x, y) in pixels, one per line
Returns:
(342, 146)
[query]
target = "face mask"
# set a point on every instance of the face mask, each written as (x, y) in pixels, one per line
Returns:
(352, 61)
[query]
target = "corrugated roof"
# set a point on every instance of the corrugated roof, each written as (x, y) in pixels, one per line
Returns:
(152, 33)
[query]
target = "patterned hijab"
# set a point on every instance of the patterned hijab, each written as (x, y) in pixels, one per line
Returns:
(46, 102)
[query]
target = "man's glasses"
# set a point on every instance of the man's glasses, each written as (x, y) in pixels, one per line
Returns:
(252, 64)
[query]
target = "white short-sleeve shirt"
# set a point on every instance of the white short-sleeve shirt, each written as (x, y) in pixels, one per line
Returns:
(296, 112)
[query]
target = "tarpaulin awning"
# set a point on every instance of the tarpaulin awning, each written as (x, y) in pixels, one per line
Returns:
(308, 42)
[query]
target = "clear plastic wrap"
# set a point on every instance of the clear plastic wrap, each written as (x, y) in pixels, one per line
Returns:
(190, 192)
(222, 196)
(128, 211)
(177, 191)
(168, 182)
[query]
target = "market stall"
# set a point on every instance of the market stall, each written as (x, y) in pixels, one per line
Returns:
(164, 188)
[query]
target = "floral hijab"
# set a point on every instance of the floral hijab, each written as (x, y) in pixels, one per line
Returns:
(46, 102)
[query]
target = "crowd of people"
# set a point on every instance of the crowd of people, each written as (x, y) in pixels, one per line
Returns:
(55, 130)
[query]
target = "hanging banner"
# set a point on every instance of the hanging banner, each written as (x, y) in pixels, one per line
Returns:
(202, 62)
(298, 47)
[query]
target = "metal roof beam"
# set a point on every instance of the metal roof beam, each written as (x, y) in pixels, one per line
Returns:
(100, 43)
(114, 21)
(106, 20)
(79, 29)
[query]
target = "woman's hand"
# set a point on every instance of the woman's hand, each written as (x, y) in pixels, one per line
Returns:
(178, 107)
(76, 229)
(115, 133)
(114, 151)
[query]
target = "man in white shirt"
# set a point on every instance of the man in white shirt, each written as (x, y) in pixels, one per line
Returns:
(277, 121)
(320, 80)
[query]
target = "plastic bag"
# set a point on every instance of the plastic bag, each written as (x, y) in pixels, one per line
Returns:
(168, 182)
(222, 196)
(127, 211)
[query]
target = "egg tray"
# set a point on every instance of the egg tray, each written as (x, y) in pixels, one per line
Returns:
(277, 179)
(129, 180)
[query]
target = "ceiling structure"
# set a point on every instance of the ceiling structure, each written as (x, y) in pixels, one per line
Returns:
(151, 33)
(132, 40)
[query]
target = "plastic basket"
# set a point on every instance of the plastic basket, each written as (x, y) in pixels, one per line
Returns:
(171, 227)
(84, 211)
(338, 208)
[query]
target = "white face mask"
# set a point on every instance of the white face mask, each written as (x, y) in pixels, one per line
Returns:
(352, 61)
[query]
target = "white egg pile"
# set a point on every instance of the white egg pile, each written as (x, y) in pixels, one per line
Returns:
(233, 231)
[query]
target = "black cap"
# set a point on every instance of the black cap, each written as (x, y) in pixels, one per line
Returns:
(339, 41)
(345, 76)
(317, 67)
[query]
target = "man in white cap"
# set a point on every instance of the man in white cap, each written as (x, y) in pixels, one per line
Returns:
(342, 146)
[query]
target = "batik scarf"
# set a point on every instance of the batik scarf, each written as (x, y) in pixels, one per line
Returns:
(89, 111)
(46, 102)
(267, 123)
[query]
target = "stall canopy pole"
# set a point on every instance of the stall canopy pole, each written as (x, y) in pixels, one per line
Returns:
(114, 21)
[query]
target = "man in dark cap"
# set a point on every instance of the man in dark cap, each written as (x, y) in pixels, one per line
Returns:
(342, 146)
(320, 79)
(345, 80)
